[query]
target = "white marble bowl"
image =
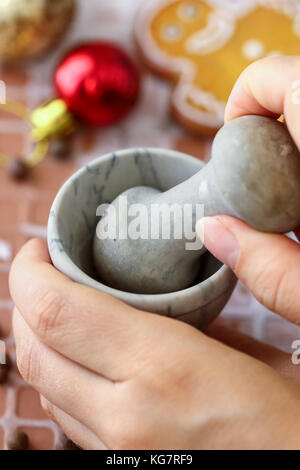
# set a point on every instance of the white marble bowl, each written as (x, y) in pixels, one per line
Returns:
(73, 220)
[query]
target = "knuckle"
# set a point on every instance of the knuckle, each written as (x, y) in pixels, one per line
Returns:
(28, 364)
(273, 291)
(279, 294)
(48, 311)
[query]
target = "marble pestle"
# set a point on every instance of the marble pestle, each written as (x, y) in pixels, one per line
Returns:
(254, 174)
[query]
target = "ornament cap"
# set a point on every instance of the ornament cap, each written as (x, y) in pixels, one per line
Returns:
(52, 120)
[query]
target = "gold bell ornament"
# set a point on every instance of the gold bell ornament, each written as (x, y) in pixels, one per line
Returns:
(29, 28)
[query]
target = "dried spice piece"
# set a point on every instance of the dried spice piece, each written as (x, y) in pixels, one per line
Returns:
(17, 440)
(18, 170)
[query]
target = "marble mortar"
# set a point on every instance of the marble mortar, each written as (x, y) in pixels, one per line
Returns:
(72, 224)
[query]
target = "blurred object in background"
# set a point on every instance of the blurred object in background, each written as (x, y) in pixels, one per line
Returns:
(98, 85)
(29, 28)
(204, 45)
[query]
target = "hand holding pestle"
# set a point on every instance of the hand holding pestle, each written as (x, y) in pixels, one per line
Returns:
(254, 174)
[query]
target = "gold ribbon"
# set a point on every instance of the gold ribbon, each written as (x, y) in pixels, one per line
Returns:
(52, 120)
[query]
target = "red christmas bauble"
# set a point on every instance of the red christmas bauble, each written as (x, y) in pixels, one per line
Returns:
(99, 83)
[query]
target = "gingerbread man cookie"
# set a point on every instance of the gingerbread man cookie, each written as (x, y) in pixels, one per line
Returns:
(204, 45)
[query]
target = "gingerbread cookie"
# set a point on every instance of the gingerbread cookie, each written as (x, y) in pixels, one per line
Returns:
(204, 45)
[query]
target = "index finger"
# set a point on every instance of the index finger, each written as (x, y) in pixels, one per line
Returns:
(269, 87)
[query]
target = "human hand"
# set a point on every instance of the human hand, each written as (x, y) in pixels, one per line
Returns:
(268, 264)
(118, 378)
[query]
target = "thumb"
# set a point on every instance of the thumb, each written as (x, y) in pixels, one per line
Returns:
(268, 264)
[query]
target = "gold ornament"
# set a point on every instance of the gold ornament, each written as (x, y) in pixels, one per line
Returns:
(29, 28)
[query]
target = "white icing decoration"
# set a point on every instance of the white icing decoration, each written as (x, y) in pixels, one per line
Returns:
(207, 100)
(290, 8)
(210, 117)
(188, 11)
(171, 32)
(296, 28)
(236, 7)
(216, 34)
(253, 49)
(5, 251)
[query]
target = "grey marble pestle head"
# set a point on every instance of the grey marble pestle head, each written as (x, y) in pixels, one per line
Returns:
(254, 174)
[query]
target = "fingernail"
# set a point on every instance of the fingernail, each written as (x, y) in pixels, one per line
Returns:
(220, 241)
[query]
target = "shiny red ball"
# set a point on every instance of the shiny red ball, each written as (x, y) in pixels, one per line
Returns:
(99, 83)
